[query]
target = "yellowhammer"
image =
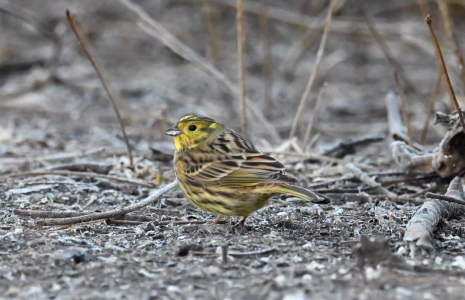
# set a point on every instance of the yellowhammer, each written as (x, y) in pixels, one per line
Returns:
(222, 172)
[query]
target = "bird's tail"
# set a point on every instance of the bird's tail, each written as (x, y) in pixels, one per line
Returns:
(304, 194)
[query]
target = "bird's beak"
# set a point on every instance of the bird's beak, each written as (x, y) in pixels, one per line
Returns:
(173, 131)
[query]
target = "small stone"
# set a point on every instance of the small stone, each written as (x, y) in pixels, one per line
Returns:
(296, 295)
(280, 280)
(307, 277)
(401, 250)
(459, 262)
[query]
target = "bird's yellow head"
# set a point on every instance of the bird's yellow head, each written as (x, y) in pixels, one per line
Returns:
(191, 131)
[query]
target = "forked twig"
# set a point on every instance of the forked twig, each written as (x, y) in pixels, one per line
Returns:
(240, 59)
(311, 80)
(444, 69)
(111, 213)
(85, 45)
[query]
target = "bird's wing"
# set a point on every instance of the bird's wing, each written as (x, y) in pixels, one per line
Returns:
(235, 162)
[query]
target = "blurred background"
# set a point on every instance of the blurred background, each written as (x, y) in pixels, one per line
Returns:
(51, 99)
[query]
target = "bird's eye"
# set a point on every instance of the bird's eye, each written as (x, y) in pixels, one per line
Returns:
(192, 128)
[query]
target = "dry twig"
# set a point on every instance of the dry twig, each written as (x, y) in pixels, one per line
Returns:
(450, 32)
(362, 176)
(311, 80)
(240, 59)
(112, 213)
(85, 44)
(259, 252)
(428, 21)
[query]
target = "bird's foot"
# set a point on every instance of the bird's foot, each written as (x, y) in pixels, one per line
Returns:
(217, 220)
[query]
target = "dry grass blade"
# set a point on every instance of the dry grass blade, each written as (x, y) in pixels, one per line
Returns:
(311, 80)
(450, 32)
(155, 29)
(308, 131)
(385, 49)
(267, 64)
(434, 96)
(85, 44)
(112, 213)
(444, 69)
(212, 20)
(403, 108)
(240, 51)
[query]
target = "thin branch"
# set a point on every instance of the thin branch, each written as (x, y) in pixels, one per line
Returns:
(49, 214)
(240, 51)
(363, 177)
(112, 213)
(156, 30)
(80, 174)
(85, 44)
(259, 252)
(156, 223)
(403, 108)
(311, 80)
(444, 69)
(450, 32)
(445, 198)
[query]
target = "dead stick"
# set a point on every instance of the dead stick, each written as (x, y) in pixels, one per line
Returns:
(156, 223)
(85, 45)
(112, 213)
(311, 80)
(49, 214)
(403, 108)
(240, 50)
(243, 254)
(445, 198)
(450, 32)
(362, 176)
(444, 69)
(73, 173)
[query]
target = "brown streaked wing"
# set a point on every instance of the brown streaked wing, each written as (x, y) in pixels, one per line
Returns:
(238, 163)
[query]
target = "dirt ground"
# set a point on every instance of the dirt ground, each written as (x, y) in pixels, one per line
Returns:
(58, 131)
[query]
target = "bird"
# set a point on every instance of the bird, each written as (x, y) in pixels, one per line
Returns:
(221, 172)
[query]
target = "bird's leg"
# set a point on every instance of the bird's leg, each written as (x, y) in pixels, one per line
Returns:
(217, 220)
(241, 222)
